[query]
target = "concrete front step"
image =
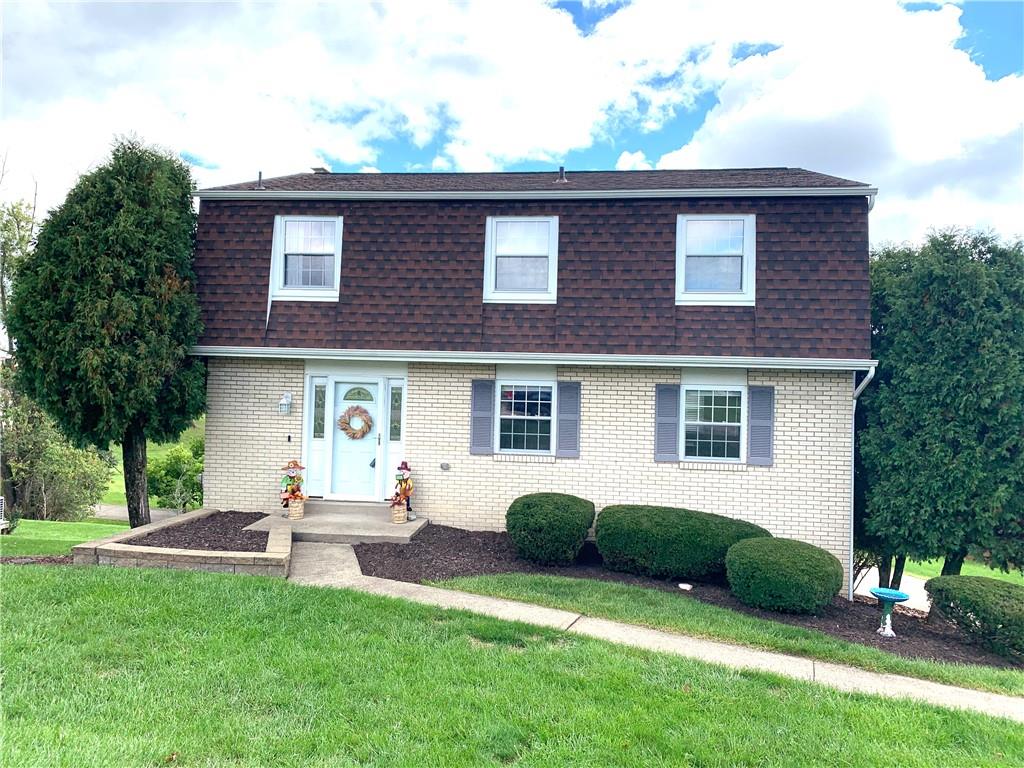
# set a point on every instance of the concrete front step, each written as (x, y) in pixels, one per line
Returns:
(335, 522)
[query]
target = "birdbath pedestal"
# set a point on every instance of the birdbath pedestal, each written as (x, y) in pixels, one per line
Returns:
(888, 598)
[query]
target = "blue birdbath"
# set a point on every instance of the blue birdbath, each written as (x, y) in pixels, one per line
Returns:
(888, 598)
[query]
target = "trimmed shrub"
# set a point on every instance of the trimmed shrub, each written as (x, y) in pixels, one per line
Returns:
(666, 542)
(549, 528)
(988, 610)
(174, 478)
(783, 575)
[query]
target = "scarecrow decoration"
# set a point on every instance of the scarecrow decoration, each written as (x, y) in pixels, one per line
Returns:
(291, 483)
(401, 502)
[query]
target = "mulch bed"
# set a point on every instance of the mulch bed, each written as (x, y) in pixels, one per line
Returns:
(439, 552)
(221, 531)
(36, 560)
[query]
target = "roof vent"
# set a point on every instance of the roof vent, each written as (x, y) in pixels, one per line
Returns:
(320, 169)
(561, 176)
(259, 181)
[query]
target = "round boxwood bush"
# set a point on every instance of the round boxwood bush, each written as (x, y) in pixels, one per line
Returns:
(549, 528)
(783, 575)
(988, 610)
(666, 542)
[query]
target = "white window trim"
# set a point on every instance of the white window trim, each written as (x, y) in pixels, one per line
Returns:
(493, 296)
(498, 384)
(744, 298)
(742, 389)
(277, 286)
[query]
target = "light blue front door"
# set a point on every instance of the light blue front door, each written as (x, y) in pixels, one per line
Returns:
(354, 462)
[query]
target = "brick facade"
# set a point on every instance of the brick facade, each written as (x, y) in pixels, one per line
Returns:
(247, 440)
(805, 494)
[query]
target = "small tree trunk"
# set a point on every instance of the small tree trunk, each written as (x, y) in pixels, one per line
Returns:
(897, 572)
(953, 563)
(136, 488)
(884, 569)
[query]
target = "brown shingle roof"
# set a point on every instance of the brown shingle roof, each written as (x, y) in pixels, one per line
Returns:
(583, 181)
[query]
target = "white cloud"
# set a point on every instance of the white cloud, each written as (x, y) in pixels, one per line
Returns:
(863, 89)
(632, 161)
(369, 169)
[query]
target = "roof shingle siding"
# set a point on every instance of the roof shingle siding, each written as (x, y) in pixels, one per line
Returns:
(731, 178)
(412, 278)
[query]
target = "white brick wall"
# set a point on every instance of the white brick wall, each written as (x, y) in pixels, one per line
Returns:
(246, 438)
(805, 494)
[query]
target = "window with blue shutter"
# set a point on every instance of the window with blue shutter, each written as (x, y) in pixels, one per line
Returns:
(481, 419)
(760, 425)
(666, 422)
(568, 431)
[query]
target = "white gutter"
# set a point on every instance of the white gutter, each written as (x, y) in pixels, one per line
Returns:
(537, 194)
(432, 356)
(857, 390)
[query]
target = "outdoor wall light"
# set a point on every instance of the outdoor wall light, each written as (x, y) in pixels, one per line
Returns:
(284, 405)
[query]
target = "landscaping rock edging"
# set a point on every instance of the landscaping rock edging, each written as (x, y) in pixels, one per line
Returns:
(114, 551)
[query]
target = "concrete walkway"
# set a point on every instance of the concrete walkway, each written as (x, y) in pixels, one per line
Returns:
(120, 512)
(335, 565)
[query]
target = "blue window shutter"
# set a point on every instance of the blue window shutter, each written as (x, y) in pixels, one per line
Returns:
(666, 422)
(568, 444)
(760, 425)
(481, 418)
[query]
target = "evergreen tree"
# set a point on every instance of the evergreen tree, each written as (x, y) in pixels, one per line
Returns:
(942, 448)
(104, 311)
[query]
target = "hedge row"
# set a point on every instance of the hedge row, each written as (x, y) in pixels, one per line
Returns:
(667, 542)
(989, 610)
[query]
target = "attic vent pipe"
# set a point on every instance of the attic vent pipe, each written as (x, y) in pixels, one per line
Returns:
(561, 176)
(259, 181)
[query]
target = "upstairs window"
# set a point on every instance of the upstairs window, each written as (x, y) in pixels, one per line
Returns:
(715, 259)
(521, 259)
(306, 262)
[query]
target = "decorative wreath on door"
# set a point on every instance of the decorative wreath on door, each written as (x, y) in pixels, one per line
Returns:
(365, 422)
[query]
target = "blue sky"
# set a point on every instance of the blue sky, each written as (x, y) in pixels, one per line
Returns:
(924, 100)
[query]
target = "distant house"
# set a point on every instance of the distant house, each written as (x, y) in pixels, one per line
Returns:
(684, 338)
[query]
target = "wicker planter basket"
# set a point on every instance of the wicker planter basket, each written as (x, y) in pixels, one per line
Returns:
(296, 510)
(398, 515)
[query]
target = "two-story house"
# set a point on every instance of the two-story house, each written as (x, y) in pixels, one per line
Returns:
(682, 338)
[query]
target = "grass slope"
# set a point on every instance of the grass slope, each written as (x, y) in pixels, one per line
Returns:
(49, 537)
(115, 488)
(147, 667)
(664, 610)
(926, 569)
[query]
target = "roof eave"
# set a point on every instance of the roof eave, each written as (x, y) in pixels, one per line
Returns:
(552, 194)
(456, 356)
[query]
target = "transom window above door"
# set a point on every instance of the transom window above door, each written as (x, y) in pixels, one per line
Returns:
(306, 261)
(521, 259)
(715, 259)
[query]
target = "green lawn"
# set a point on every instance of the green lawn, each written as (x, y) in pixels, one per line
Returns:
(677, 613)
(115, 488)
(106, 667)
(47, 537)
(929, 568)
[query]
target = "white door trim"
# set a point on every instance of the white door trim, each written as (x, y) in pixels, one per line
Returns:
(332, 385)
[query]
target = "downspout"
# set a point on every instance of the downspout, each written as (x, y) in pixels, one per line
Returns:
(858, 389)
